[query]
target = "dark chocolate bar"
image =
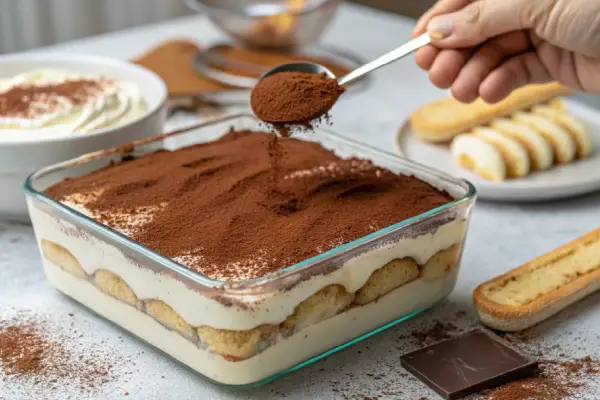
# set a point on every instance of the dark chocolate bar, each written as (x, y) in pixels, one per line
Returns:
(458, 367)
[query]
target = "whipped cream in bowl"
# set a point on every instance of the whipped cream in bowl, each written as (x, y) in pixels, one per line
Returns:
(55, 107)
(53, 102)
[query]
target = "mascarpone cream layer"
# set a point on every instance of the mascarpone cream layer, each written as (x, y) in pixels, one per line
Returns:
(285, 353)
(198, 304)
(114, 103)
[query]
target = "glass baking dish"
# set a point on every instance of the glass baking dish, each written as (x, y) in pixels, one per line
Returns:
(250, 332)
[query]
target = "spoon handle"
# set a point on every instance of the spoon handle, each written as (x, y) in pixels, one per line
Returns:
(387, 58)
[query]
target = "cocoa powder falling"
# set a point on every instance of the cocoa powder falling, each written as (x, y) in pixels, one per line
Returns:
(294, 99)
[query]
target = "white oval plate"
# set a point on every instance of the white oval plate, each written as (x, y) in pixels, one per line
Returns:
(580, 177)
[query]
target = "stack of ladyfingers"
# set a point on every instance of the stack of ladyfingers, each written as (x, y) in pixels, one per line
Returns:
(528, 131)
(542, 287)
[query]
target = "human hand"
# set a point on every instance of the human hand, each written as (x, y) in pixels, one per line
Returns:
(488, 48)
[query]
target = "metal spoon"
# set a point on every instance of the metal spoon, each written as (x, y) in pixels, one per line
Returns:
(385, 59)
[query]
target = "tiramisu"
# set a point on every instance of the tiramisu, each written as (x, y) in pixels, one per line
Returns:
(264, 232)
(43, 103)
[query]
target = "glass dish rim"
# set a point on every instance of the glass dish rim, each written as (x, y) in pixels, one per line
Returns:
(204, 280)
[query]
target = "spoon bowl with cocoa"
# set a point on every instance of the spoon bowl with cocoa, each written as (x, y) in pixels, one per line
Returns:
(300, 93)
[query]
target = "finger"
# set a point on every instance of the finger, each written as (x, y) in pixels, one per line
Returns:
(424, 57)
(441, 7)
(484, 60)
(561, 64)
(576, 71)
(484, 19)
(518, 71)
(446, 66)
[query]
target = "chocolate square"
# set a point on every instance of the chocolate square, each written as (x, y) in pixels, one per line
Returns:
(467, 364)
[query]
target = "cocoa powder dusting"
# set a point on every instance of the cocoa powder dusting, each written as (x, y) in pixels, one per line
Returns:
(21, 348)
(438, 332)
(248, 204)
(555, 380)
(290, 100)
(31, 351)
(26, 101)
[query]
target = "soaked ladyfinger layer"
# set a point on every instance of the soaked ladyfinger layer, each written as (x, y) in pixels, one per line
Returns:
(542, 287)
(238, 345)
(280, 355)
(385, 279)
(164, 314)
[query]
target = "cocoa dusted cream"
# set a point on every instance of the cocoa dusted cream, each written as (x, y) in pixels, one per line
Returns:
(47, 103)
(248, 204)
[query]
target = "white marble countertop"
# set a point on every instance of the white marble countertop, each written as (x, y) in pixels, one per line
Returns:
(501, 237)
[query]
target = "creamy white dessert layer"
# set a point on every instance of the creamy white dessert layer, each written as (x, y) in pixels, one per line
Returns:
(108, 103)
(284, 353)
(198, 308)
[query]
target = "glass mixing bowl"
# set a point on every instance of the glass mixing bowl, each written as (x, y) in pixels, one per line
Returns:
(272, 24)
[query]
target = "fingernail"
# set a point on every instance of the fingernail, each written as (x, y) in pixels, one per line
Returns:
(440, 27)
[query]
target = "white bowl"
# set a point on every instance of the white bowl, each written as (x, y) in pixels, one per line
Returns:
(18, 159)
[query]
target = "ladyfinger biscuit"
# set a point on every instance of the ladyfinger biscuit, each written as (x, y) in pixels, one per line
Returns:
(394, 274)
(513, 152)
(574, 126)
(560, 140)
(442, 120)
(61, 257)
(541, 154)
(533, 292)
(558, 103)
(476, 154)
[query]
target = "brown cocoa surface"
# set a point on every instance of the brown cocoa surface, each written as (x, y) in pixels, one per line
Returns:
(294, 99)
(250, 204)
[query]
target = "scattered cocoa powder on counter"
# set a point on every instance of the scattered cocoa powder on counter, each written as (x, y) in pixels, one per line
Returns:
(555, 380)
(33, 353)
(224, 209)
(436, 333)
(291, 100)
(514, 337)
(539, 387)
(21, 348)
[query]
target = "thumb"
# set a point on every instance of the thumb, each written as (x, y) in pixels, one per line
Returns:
(483, 19)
